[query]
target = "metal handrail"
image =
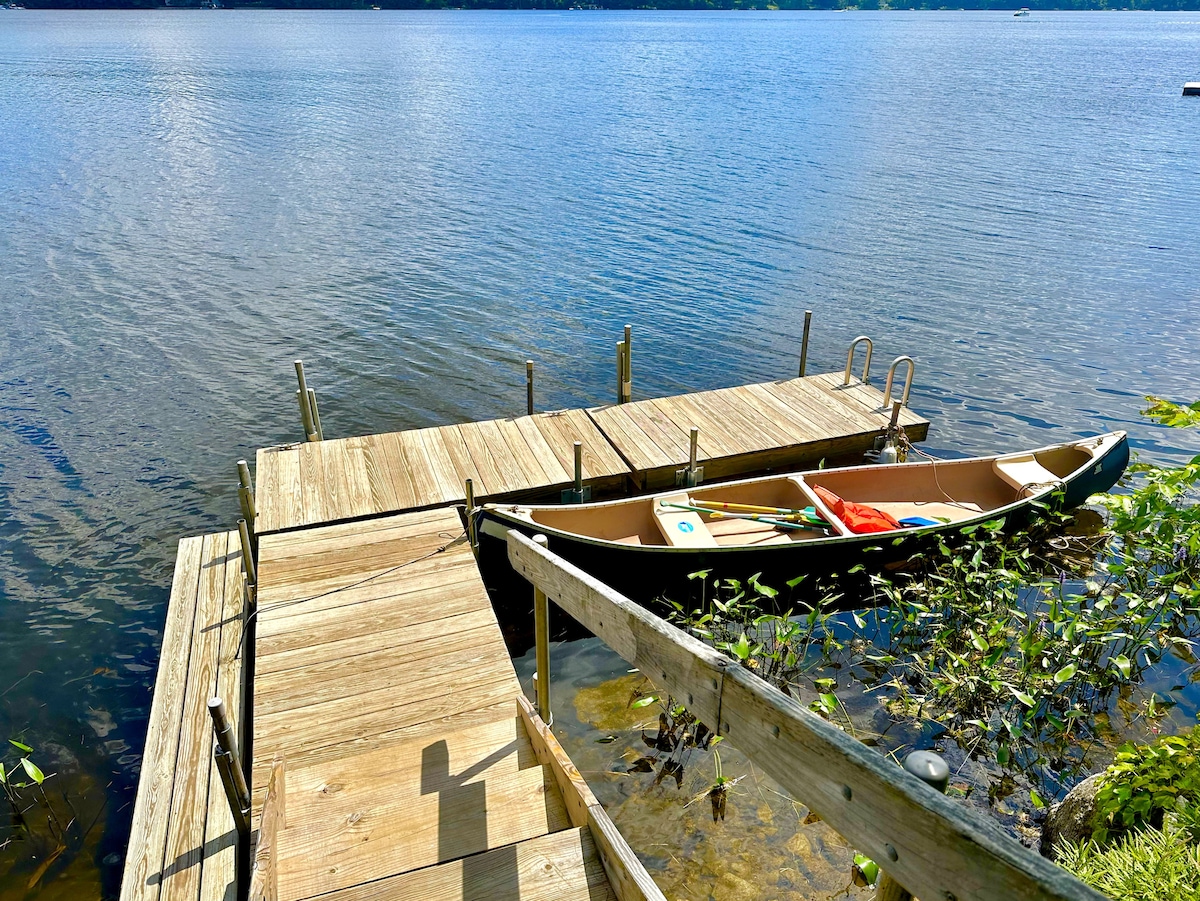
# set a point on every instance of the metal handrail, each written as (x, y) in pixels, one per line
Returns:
(908, 380)
(866, 376)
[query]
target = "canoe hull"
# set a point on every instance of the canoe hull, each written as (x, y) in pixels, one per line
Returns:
(649, 573)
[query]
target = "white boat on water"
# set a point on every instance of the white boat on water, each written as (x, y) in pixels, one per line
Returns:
(1023, 11)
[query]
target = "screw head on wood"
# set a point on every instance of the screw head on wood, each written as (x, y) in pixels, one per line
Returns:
(891, 853)
(847, 793)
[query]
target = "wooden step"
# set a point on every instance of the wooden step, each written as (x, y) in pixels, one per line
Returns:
(562, 866)
(413, 805)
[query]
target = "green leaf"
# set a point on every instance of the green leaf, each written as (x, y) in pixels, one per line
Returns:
(1021, 696)
(741, 647)
(3, 775)
(644, 702)
(867, 868)
(32, 770)
(1065, 673)
(1122, 663)
(20, 747)
(1036, 799)
(606, 740)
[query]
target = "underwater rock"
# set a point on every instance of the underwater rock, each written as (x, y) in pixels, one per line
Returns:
(1073, 818)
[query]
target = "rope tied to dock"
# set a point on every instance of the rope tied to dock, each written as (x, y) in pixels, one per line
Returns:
(453, 542)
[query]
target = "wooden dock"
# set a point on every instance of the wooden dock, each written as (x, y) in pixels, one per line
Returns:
(636, 446)
(382, 689)
(184, 841)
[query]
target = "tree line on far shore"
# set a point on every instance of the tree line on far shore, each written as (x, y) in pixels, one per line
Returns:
(1161, 5)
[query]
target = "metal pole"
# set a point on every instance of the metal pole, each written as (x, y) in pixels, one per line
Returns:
(804, 341)
(248, 509)
(541, 630)
(306, 422)
(247, 552)
(470, 493)
(932, 770)
(229, 765)
(620, 372)
(627, 376)
(315, 414)
(529, 387)
(694, 444)
(310, 429)
(579, 469)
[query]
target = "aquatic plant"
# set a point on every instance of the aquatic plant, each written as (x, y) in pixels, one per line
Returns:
(22, 778)
(1013, 646)
(1145, 865)
(1146, 783)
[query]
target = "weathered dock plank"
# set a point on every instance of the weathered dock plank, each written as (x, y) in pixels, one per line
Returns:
(562, 866)
(743, 430)
(352, 478)
(749, 428)
(183, 843)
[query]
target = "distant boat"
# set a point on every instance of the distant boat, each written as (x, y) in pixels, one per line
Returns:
(1023, 11)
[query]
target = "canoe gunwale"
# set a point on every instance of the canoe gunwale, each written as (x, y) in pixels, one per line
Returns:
(509, 515)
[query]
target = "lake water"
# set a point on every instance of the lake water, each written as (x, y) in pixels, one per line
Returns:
(415, 203)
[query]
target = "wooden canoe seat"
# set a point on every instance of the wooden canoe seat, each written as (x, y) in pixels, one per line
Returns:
(681, 528)
(828, 515)
(1024, 472)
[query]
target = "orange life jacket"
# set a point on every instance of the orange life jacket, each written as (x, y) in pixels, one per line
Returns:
(859, 518)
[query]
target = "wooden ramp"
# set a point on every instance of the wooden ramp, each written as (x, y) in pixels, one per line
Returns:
(383, 683)
(743, 431)
(184, 842)
(349, 478)
(750, 428)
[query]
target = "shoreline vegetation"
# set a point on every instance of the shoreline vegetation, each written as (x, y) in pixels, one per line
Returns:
(583, 5)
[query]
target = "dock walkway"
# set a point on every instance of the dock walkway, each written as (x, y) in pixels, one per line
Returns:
(743, 430)
(184, 843)
(384, 683)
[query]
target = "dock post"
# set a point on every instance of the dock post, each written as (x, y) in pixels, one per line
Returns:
(470, 499)
(693, 475)
(932, 770)
(306, 417)
(578, 493)
(804, 341)
(620, 372)
(627, 374)
(246, 500)
(225, 752)
(316, 414)
(529, 387)
(541, 631)
(247, 553)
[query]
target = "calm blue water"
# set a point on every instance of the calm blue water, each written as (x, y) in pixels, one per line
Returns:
(417, 202)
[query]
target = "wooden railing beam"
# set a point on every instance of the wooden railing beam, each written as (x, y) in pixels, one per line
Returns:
(932, 845)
